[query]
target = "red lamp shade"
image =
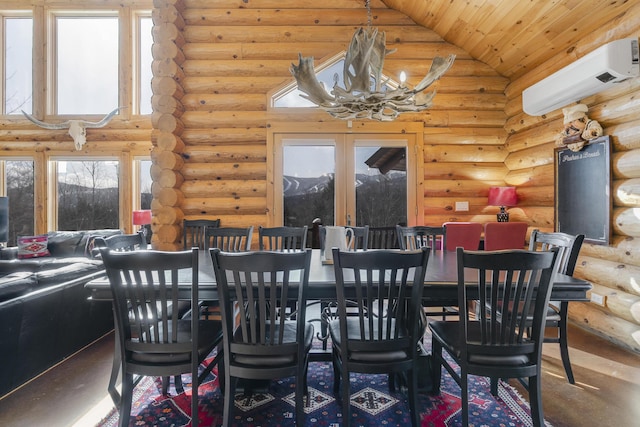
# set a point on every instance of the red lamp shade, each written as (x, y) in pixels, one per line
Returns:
(142, 217)
(503, 196)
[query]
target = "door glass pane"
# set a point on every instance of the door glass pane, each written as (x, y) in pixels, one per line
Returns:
(87, 65)
(17, 72)
(381, 186)
(19, 179)
(308, 184)
(87, 195)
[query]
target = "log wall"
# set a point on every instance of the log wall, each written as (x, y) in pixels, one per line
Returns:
(613, 270)
(215, 65)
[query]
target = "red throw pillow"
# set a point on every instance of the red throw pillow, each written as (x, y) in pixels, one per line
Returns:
(33, 246)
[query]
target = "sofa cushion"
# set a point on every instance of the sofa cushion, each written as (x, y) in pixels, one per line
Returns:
(16, 284)
(74, 243)
(67, 272)
(33, 247)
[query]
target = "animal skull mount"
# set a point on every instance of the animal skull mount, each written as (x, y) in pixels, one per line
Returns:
(77, 128)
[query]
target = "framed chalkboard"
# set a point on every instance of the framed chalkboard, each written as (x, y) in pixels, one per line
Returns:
(582, 191)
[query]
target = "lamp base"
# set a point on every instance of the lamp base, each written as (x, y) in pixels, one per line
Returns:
(503, 215)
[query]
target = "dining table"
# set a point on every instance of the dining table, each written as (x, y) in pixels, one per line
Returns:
(440, 287)
(440, 290)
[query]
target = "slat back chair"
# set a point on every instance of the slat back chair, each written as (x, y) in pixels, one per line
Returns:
(382, 238)
(124, 242)
(382, 337)
(152, 342)
(505, 235)
(568, 247)
(418, 236)
(492, 342)
(282, 238)
(229, 239)
(360, 237)
(260, 341)
(466, 235)
(193, 232)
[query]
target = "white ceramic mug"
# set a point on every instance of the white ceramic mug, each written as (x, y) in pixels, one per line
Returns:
(337, 237)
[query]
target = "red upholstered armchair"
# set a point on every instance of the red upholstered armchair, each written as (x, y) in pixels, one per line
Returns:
(463, 234)
(505, 235)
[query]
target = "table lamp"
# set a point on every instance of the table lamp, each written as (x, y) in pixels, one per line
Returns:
(502, 196)
(142, 218)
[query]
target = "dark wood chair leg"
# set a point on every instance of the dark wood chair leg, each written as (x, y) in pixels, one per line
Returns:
(535, 401)
(564, 345)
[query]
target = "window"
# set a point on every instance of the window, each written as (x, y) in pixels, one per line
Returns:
(345, 179)
(18, 186)
(86, 64)
(142, 169)
(87, 194)
(144, 74)
(17, 69)
(328, 74)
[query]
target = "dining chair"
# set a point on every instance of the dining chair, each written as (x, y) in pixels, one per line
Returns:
(466, 235)
(260, 342)
(382, 336)
(122, 242)
(382, 238)
(327, 309)
(420, 235)
(416, 237)
(229, 239)
(360, 237)
(193, 232)
(282, 238)
(152, 342)
(505, 235)
(492, 342)
(568, 247)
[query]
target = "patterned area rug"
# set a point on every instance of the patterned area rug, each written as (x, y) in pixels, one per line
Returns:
(372, 404)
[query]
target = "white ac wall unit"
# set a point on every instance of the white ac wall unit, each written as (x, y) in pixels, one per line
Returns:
(594, 72)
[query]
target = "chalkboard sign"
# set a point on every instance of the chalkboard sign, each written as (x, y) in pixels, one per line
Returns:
(583, 197)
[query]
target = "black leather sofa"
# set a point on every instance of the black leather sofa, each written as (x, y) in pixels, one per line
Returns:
(45, 313)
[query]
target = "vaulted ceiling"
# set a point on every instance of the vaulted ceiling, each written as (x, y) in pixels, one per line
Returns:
(513, 36)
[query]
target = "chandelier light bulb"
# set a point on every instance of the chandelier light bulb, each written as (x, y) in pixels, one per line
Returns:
(403, 78)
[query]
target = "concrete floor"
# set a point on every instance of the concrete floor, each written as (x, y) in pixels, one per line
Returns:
(606, 393)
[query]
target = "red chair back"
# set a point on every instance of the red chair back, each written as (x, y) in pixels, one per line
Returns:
(462, 234)
(505, 235)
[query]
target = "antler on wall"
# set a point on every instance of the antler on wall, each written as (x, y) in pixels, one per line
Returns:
(77, 128)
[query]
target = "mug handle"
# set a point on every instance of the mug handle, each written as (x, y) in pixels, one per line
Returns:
(351, 235)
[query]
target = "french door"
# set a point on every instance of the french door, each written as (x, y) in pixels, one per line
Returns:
(345, 179)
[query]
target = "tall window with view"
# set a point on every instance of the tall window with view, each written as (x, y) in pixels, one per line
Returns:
(87, 64)
(19, 175)
(18, 39)
(87, 194)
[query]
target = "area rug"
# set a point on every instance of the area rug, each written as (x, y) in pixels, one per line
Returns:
(372, 404)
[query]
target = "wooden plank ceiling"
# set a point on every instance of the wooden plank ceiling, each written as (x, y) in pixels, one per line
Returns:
(512, 36)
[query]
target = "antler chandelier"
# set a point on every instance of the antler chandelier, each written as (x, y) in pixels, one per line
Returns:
(363, 96)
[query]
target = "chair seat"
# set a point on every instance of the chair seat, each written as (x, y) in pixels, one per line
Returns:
(289, 336)
(209, 333)
(448, 333)
(353, 329)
